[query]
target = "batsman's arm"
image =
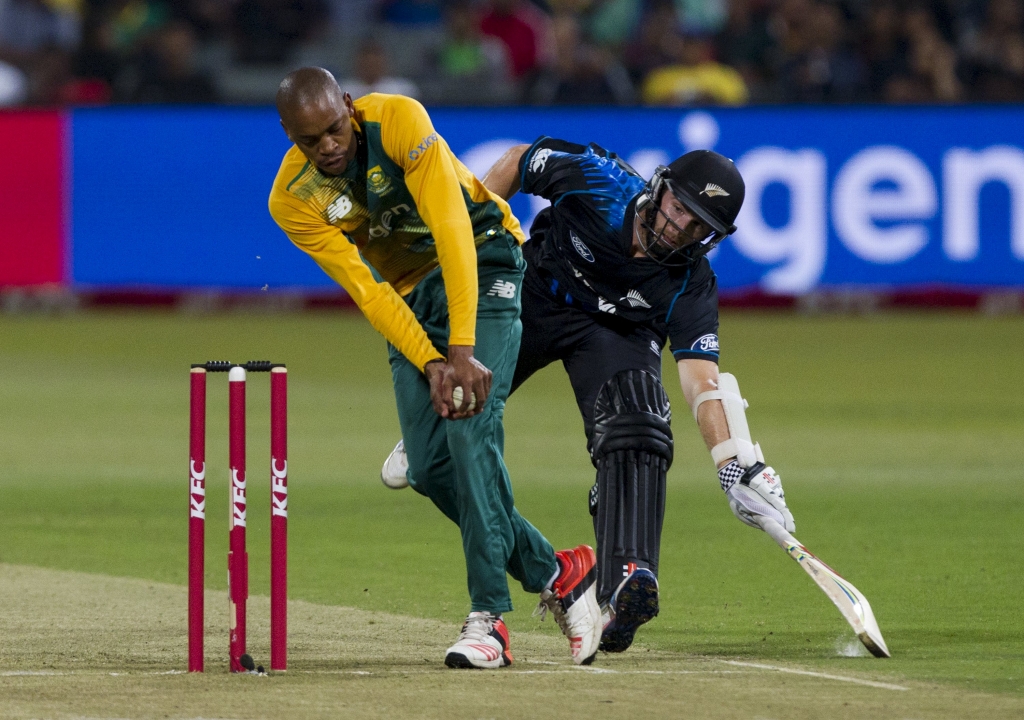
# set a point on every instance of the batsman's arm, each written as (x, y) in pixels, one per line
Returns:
(753, 488)
(700, 376)
(503, 178)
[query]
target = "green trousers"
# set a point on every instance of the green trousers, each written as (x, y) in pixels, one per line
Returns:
(459, 464)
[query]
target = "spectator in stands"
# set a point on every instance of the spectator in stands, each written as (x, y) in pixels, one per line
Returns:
(994, 54)
(13, 85)
(168, 73)
(31, 28)
(496, 51)
(747, 44)
(884, 47)
(351, 19)
(695, 78)
(820, 66)
(133, 22)
(702, 17)
(211, 20)
(269, 31)
(525, 31)
(468, 67)
(581, 74)
(656, 44)
(611, 23)
(36, 40)
(411, 12)
(51, 72)
(96, 66)
(931, 63)
(371, 74)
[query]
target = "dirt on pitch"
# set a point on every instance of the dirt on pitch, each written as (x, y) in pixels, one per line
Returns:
(74, 645)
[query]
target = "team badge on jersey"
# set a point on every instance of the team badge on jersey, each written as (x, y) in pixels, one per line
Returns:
(635, 299)
(581, 247)
(377, 182)
(706, 343)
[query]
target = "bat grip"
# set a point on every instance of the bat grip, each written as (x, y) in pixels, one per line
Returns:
(777, 533)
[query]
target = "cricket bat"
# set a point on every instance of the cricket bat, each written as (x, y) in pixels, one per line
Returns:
(851, 603)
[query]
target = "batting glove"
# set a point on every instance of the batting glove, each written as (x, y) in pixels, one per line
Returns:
(753, 491)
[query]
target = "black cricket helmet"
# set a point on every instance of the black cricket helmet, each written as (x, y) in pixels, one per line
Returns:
(709, 186)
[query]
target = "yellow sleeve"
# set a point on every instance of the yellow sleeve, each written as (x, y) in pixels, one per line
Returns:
(339, 258)
(410, 140)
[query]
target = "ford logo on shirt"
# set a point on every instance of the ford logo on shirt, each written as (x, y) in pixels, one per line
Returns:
(706, 343)
(581, 247)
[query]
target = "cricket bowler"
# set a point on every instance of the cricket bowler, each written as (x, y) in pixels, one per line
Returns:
(432, 258)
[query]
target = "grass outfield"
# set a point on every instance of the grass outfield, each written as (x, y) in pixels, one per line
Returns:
(898, 438)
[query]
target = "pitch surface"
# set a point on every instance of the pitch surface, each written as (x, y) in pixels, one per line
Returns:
(894, 437)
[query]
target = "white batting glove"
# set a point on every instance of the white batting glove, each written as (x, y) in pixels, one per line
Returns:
(756, 490)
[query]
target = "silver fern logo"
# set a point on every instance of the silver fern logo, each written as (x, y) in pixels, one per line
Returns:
(635, 299)
(713, 190)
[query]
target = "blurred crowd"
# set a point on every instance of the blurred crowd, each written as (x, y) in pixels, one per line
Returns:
(494, 52)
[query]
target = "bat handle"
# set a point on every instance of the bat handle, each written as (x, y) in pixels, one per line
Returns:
(777, 533)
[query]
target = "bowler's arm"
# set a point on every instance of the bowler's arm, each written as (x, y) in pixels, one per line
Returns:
(503, 177)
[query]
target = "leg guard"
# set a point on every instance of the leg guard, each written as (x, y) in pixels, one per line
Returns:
(632, 448)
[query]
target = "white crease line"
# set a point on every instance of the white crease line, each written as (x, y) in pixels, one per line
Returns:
(562, 671)
(840, 678)
(411, 671)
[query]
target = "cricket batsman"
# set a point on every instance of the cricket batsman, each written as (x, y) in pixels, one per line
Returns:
(432, 258)
(617, 266)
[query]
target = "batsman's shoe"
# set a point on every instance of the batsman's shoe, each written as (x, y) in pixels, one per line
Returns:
(572, 599)
(633, 603)
(394, 474)
(483, 643)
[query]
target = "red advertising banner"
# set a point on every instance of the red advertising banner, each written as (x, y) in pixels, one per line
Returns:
(32, 188)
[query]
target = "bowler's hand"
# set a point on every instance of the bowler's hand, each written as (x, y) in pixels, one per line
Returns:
(471, 375)
(435, 372)
(465, 371)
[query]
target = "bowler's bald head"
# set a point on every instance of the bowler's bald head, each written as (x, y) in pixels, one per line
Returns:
(307, 88)
(318, 117)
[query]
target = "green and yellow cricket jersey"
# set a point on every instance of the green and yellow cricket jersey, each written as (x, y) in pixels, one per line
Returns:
(404, 205)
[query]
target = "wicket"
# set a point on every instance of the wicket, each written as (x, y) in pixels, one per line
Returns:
(238, 558)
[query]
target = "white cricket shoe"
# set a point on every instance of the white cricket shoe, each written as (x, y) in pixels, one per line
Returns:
(572, 599)
(394, 474)
(483, 643)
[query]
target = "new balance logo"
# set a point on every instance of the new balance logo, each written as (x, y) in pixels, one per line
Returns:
(712, 190)
(339, 208)
(635, 299)
(502, 289)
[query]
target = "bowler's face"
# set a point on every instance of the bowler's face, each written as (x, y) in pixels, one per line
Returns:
(323, 132)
